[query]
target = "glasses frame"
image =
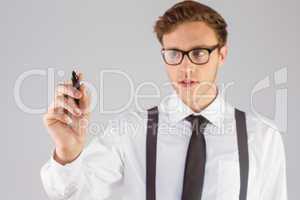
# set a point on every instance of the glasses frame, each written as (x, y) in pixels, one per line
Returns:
(183, 53)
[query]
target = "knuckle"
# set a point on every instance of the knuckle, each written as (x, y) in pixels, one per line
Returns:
(62, 88)
(56, 110)
(57, 98)
(65, 100)
(59, 88)
(69, 101)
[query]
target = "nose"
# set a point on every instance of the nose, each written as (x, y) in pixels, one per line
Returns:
(186, 65)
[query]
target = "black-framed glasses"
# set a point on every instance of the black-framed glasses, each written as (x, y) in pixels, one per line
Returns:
(198, 55)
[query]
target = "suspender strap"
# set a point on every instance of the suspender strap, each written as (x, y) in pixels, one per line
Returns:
(242, 139)
(151, 144)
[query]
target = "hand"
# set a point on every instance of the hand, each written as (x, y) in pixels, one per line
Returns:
(67, 122)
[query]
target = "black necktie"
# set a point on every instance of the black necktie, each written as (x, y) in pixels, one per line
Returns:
(195, 160)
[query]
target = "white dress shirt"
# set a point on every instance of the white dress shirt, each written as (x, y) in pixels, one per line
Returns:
(112, 165)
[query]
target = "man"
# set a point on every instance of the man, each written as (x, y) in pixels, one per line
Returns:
(231, 156)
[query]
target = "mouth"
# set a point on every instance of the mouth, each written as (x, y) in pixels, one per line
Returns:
(187, 83)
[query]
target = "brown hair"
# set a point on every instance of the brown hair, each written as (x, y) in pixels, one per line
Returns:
(189, 11)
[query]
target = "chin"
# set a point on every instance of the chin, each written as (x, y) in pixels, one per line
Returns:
(185, 93)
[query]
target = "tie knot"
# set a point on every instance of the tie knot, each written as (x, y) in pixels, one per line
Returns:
(196, 118)
(198, 122)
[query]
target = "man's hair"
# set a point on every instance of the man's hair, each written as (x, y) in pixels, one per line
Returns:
(191, 11)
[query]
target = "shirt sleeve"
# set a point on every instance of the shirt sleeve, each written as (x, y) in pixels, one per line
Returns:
(95, 174)
(274, 183)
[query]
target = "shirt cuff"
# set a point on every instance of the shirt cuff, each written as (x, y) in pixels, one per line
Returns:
(69, 170)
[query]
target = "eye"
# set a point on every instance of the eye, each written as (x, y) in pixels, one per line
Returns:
(172, 54)
(199, 53)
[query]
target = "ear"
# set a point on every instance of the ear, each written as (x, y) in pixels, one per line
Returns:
(223, 54)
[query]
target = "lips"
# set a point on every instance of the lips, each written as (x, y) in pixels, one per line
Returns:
(187, 82)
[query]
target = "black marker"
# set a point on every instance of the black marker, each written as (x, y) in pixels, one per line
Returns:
(75, 83)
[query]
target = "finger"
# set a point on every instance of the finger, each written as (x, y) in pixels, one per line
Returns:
(80, 124)
(69, 90)
(79, 74)
(66, 82)
(56, 114)
(68, 104)
(84, 101)
(54, 109)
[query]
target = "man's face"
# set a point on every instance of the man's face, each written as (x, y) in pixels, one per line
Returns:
(185, 37)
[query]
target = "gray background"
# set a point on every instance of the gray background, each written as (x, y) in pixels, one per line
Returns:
(264, 37)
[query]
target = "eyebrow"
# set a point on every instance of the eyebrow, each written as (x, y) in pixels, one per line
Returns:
(193, 47)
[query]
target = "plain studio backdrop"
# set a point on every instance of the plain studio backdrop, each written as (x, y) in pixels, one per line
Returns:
(44, 39)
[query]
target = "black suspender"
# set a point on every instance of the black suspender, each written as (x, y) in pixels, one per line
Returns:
(242, 139)
(151, 147)
(151, 144)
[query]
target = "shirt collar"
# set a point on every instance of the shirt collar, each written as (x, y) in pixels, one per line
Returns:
(177, 110)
